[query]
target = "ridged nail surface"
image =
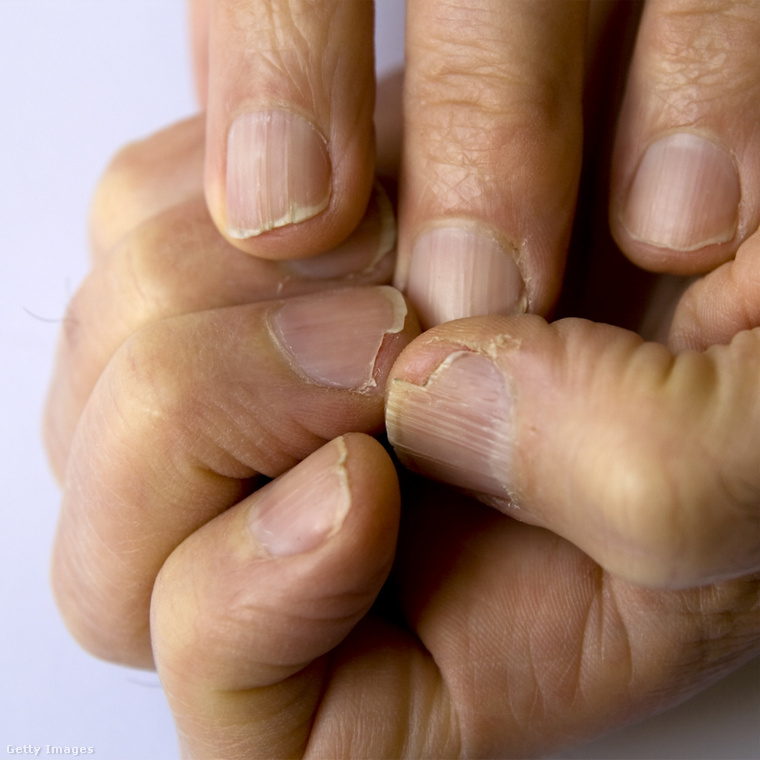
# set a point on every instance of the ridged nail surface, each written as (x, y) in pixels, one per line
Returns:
(457, 426)
(303, 508)
(335, 338)
(685, 194)
(278, 172)
(457, 272)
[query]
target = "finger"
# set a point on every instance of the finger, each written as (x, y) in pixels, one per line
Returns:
(177, 263)
(290, 149)
(165, 170)
(199, 19)
(723, 303)
(686, 169)
(245, 609)
(492, 149)
(145, 178)
(189, 410)
(648, 462)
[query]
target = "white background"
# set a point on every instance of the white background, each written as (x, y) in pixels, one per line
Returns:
(78, 78)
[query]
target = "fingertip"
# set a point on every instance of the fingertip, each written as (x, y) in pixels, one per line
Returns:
(584, 429)
(491, 162)
(684, 183)
(290, 147)
(680, 211)
(275, 582)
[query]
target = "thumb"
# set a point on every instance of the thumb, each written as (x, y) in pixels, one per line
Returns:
(244, 609)
(647, 461)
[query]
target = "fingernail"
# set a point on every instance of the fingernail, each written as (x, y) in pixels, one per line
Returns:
(278, 172)
(457, 426)
(685, 194)
(361, 253)
(298, 512)
(459, 272)
(338, 338)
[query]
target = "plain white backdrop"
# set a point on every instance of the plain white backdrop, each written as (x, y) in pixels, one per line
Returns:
(78, 78)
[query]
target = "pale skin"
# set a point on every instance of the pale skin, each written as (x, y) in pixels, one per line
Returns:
(631, 467)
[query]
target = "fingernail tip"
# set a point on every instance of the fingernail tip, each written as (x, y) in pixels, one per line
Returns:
(345, 498)
(321, 497)
(455, 425)
(328, 337)
(296, 214)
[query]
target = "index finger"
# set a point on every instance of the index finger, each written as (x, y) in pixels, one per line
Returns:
(290, 143)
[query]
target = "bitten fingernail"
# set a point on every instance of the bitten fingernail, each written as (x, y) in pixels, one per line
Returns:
(278, 172)
(457, 426)
(301, 510)
(337, 338)
(459, 272)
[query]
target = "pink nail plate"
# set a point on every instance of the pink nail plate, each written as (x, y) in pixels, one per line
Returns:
(300, 510)
(457, 426)
(278, 172)
(335, 338)
(457, 272)
(685, 194)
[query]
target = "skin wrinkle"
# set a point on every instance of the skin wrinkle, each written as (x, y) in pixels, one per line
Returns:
(593, 620)
(690, 72)
(555, 690)
(459, 190)
(503, 105)
(287, 49)
(460, 173)
(610, 603)
(430, 707)
(266, 442)
(536, 704)
(478, 64)
(714, 647)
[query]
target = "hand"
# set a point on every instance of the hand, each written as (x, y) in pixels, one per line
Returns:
(497, 636)
(493, 100)
(187, 370)
(493, 637)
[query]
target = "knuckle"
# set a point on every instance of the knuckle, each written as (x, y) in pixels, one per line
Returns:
(153, 271)
(148, 378)
(108, 640)
(119, 194)
(179, 389)
(479, 118)
(704, 53)
(146, 177)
